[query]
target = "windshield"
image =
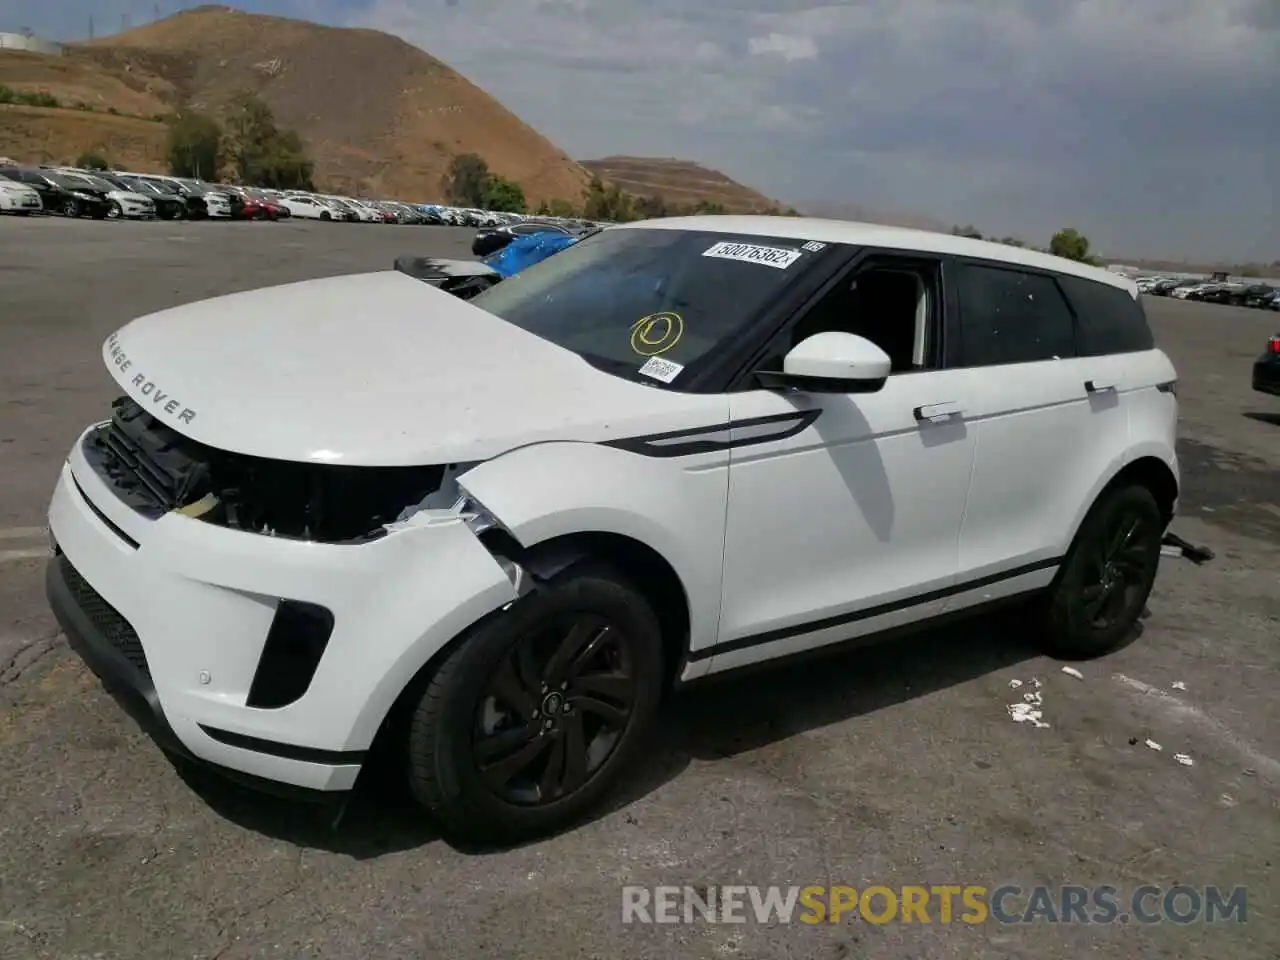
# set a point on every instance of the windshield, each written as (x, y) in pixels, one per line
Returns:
(649, 304)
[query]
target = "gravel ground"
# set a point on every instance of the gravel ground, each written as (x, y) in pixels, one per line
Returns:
(892, 766)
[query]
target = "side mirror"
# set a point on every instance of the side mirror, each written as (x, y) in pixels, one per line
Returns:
(830, 362)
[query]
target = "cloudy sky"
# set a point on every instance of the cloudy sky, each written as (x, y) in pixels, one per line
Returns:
(1148, 124)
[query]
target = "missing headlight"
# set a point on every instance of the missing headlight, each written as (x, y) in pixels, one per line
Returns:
(156, 470)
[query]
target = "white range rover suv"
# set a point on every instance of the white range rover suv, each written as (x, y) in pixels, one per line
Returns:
(498, 531)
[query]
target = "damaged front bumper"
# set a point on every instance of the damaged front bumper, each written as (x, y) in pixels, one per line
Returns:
(193, 621)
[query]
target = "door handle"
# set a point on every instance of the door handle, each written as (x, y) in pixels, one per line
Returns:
(1093, 386)
(936, 412)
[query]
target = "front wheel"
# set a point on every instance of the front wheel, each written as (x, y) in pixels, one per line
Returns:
(324, 215)
(538, 710)
(114, 212)
(1107, 575)
(71, 209)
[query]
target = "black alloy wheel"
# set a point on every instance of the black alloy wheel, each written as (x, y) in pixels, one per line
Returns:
(554, 710)
(538, 709)
(1107, 576)
(1120, 570)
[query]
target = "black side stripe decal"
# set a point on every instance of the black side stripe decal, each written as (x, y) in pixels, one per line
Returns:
(866, 613)
(286, 751)
(736, 433)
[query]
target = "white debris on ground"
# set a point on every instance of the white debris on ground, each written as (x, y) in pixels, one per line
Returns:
(1153, 745)
(1171, 552)
(1183, 759)
(1073, 672)
(1029, 710)
(1178, 685)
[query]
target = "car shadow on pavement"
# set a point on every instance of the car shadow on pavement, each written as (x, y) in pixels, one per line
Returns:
(716, 720)
(1271, 418)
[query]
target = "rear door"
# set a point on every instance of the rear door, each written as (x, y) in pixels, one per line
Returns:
(1047, 421)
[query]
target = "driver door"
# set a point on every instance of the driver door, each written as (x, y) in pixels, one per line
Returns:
(847, 521)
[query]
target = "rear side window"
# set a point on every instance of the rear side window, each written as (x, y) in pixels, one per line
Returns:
(1108, 320)
(1008, 316)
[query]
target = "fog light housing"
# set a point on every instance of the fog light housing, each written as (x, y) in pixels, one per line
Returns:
(295, 643)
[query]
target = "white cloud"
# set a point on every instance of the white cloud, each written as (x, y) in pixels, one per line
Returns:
(788, 46)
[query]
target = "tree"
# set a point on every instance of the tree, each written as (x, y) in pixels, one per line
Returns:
(708, 207)
(502, 195)
(969, 231)
(92, 161)
(265, 155)
(195, 146)
(563, 208)
(1012, 242)
(1071, 244)
(652, 207)
(544, 209)
(607, 203)
(464, 185)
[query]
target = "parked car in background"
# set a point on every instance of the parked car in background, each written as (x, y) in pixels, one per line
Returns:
(1266, 369)
(125, 201)
(306, 207)
(19, 198)
(491, 239)
(57, 194)
(1257, 296)
(256, 205)
(167, 206)
(166, 190)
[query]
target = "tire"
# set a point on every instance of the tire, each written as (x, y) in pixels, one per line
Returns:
(589, 605)
(114, 212)
(71, 209)
(324, 215)
(1100, 568)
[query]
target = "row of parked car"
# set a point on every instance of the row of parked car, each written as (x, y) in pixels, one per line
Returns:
(1259, 296)
(111, 195)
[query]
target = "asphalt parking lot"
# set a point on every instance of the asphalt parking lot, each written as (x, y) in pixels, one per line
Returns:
(893, 766)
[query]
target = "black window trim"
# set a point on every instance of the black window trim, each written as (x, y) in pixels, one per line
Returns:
(854, 260)
(957, 354)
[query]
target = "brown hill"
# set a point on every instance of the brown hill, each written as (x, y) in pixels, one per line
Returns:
(39, 135)
(379, 116)
(678, 182)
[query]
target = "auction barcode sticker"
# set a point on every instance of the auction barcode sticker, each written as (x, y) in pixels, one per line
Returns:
(778, 257)
(659, 369)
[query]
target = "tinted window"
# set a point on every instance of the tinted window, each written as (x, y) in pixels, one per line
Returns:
(623, 296)
(1008, 316)
(1108, 320)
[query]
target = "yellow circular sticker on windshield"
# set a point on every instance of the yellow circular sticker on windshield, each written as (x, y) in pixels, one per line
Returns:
(657, 333)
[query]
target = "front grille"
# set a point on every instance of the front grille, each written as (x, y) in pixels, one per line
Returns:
(151, 467)
(114, 628)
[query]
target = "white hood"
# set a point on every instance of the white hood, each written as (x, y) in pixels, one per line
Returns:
(376, 369)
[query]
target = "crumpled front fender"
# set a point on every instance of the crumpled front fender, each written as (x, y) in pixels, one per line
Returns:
(674, 506)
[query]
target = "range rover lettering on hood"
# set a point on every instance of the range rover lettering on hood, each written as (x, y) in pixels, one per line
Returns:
(150, 395)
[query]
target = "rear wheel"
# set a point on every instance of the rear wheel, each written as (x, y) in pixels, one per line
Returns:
(71, 209)
(539, 709)
(114, 212)
(1107, 576)
(324, 215)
